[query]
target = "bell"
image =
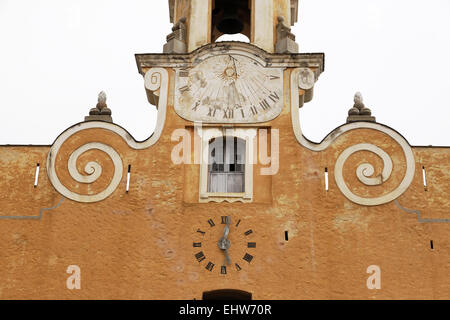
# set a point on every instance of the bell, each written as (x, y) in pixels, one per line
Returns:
(230, 23)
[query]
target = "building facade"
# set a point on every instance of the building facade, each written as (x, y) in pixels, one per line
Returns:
(226, 198)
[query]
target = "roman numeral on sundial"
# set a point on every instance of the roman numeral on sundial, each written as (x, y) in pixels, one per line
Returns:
(212, 112)
(274, 96)
(184, 89)
(253, 110)
(264, 104)
(183, 73)
(195, 107)
(271, 77)
(228, 114)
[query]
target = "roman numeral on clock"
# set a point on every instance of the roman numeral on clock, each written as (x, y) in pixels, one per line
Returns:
(211, 222)
(251, 245)
(223, 269)
(238, 267)
(248, 257)
(226, 219)
(209, 266)
(254, 110)
(271, 77)
(197, 244)
(200, 256)
(248, 232)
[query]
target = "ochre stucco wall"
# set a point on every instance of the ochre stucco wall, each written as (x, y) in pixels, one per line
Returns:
(139, 245)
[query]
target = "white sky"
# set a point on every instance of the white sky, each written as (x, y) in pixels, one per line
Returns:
(56, 56)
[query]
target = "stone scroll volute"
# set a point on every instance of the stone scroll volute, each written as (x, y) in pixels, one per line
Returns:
(365, 173)
(86, 162)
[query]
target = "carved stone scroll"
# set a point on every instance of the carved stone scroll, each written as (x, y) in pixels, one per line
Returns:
(156, 80)
(364, 171)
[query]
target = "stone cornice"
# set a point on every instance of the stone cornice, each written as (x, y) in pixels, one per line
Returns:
(186, 60)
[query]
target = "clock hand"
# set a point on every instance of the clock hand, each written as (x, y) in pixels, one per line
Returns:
(226, 231)
(224, 243)
(227, 256)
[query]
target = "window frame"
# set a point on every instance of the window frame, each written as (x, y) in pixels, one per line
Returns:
(246, 134)
(229, 167)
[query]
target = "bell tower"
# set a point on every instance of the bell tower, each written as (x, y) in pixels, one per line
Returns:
(252, 74)
(265, 22)
(230, 89)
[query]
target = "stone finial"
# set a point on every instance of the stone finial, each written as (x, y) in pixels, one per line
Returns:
(176, 40)
(358, 98)
(101, 97)
(101, 110)
(359, 112)
(285, 38)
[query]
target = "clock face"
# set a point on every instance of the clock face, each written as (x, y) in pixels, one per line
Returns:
(224, 246)
(229, 88)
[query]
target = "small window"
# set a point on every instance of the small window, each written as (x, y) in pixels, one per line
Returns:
(226, 165)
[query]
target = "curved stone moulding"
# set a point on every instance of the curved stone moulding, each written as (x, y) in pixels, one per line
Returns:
(364, 171)
(156, 79)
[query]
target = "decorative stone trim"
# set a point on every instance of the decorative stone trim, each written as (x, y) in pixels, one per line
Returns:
(314, 61)
(359, 112)
(156, 79)
(285, 38)
(364, 170)
(176, 41)
(101, 111)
